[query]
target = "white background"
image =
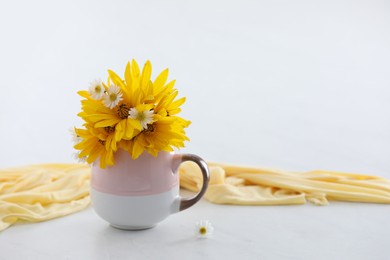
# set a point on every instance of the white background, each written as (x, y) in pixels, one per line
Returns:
(298, 85)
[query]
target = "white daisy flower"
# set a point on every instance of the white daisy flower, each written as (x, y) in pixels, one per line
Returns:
(96, 89)
(113, 96)
(144, 117)
(203, 229)
(75, 138)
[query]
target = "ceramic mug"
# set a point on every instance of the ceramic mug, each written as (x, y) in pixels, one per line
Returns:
(138, 194)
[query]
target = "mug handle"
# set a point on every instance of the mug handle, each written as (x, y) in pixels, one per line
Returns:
(185, 203)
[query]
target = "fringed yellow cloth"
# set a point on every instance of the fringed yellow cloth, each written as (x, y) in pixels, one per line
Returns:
(42, 192)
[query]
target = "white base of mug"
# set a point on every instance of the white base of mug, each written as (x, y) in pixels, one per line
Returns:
(135, 212)
(132, 227)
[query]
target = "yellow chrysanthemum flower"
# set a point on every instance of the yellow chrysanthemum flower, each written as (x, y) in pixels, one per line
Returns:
(97, 143)
(164, 134)
(133, 113)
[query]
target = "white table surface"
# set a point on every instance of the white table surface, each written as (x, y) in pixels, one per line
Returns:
(338, 231)
(296, 85)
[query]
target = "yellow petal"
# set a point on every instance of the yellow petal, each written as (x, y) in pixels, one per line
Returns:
(134, 124)
(166, 89)
(103, 162)
(110, 158)
(171, 97)
(153, 152)
(99, 117)
(178, 102)
(116, 79)
(146, 73)
(129, 82)
(161, 79)
(148, 92)
(119, 130)
(128, 75)
(98, 149)
(129, 133)
(84, 94)
(134, 68)
(114, 145)
(174, 111)
(85, 143)
(108, 122)
(138, 147)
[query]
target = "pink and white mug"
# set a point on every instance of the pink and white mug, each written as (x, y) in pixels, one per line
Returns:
(138, 194)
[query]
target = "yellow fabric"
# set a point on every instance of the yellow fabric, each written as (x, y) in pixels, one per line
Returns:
(41, 192)
(231, 184)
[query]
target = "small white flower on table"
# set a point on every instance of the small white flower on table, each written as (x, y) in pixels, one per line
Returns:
(203, 229)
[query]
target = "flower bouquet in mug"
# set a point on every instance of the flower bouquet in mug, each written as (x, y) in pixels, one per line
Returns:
(131, 127)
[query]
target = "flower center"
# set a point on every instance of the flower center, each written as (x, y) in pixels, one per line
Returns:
(150, 128)
(113, 97)
(109, 129)
(140, 116)
(123, 111)
(98, 89)
(202, 230)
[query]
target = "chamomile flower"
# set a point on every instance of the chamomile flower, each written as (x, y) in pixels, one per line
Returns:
(203, 229)
(75, 138)
(113, 96)
(96, 89)
(144, 117)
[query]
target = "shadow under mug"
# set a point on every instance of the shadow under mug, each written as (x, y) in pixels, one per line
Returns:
(138, 194)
